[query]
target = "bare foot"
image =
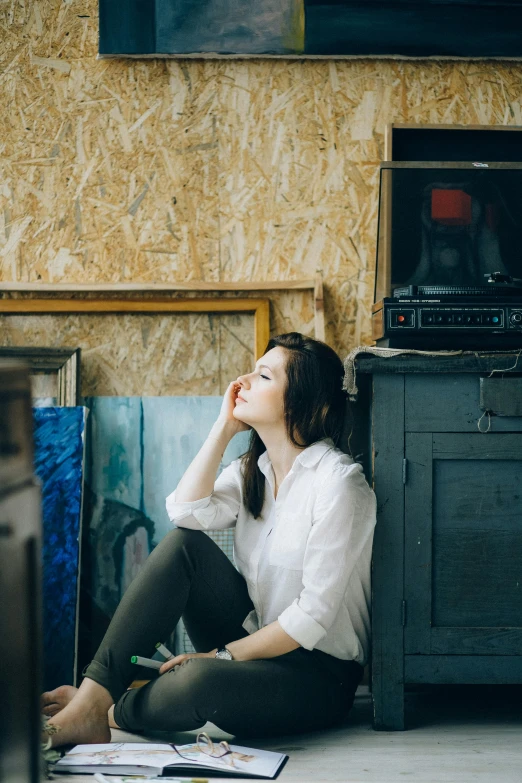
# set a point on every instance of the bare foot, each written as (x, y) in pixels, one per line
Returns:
(51, 702)
(84, 719)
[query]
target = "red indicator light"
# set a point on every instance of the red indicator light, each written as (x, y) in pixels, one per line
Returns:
(401, 318)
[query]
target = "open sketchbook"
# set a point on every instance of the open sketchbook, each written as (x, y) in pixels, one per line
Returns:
(148, 758)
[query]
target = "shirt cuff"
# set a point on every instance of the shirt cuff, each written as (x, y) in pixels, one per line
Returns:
(300, 626)
(180, 510)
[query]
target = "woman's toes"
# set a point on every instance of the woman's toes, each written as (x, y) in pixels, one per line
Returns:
(45, 698)
(57, 699)
(52, 709)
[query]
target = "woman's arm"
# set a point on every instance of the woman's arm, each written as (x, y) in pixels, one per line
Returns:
(268, 642)
(342, 531)
(198, 480)
(200, 501)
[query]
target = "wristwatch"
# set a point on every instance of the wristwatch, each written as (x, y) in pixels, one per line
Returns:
(225, 654)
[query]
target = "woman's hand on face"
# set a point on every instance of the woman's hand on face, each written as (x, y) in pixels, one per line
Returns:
(179, 659)
(228, 405)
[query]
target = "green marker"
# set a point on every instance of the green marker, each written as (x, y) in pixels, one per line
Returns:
(148, 662)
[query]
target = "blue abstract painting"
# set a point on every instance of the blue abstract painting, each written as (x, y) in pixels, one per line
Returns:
(190, 26)
(136, 452)
(59, 458)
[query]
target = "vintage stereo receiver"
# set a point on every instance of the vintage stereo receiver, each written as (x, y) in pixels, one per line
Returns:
(449, 256)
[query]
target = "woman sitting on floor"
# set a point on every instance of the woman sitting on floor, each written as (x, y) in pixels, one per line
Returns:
(282, 640)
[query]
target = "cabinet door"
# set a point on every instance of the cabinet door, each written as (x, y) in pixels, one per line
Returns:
(463, 543)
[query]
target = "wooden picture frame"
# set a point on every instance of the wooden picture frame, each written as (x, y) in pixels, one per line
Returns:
(63, 362)
(313, 284)
(259, 307)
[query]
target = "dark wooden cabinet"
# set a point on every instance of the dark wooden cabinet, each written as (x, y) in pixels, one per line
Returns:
(447, 560)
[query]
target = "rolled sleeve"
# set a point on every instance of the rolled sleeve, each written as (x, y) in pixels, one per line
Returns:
(300, 626)
(218, 511)
(340, 538)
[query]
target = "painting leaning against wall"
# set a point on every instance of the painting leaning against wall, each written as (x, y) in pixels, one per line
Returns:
(59, 462)
(137, 449)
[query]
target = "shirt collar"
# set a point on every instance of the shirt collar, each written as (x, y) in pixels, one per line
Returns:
(308, 457)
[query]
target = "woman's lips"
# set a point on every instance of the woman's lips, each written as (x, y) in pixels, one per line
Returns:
(238, 398)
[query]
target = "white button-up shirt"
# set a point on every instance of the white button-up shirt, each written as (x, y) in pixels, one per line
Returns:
(307, 558)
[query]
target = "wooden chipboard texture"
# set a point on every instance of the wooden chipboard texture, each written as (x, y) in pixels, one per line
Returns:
(176, 170)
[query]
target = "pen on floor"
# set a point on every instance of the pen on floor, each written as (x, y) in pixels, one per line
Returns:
(181, 780)
(160, 780)
(164, 651)
(150, 663)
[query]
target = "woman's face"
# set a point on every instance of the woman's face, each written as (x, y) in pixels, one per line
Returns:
(260, 399)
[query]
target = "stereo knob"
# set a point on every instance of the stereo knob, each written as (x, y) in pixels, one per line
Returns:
(516, 319)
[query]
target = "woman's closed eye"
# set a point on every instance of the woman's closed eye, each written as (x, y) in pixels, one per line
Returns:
(264, 376)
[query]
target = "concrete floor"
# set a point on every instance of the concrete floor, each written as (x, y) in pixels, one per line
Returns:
(456, 734)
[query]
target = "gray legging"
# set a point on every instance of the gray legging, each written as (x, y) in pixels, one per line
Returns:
(188, 575)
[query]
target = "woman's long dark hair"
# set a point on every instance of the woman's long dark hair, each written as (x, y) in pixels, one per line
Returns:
(314, 406)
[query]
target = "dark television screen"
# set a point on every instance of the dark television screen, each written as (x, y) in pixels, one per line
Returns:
(450, 227)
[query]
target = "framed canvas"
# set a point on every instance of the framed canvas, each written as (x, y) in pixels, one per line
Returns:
(55, 373)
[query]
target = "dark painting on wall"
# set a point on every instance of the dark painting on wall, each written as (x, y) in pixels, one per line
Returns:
(311, 28)
(58, 458)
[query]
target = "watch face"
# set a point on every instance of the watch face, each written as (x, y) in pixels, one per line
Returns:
(224, 654)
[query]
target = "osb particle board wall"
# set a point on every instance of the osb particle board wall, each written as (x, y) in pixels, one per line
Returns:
(165, 170)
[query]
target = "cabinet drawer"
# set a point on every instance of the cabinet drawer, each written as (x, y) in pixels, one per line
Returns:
(450, 402)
